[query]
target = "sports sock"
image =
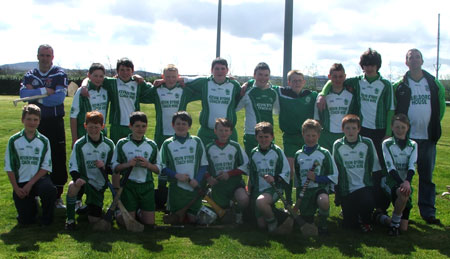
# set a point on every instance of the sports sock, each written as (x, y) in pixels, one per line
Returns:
(70, 207)
(323, 216)
(396, 220)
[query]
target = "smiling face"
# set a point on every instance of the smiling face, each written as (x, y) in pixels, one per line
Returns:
(262, 78)
(400, 129)
(296, 82)
(223, 133)
(138, 130)
(311, 137)
(31, 122)
(414, 60)
(125, 73)
(351, 131)
(370, 70)
(181, 127)
(97, 77)
(219, 72)
(264, 140)
(171, 78)
(337, 78)
(93, 130)
(45, 58)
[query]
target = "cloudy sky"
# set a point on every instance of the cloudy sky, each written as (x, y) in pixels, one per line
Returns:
(183, 32)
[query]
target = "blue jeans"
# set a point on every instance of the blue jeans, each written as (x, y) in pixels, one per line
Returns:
(426, 159)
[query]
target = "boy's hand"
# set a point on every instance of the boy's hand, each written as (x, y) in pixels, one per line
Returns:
(132, 162)
(79, 183)
(223, 176)
(243, 89)
(99, 164)
(311, 175)
(321, 102)
(181, 81)
(27, 188)
(405, 188)
(139, 79)
(50, 91)
(158, 82)
(269, 179)
(142, 162)
(193, 183)
(182, 177)
(20, 192)
(212, 181)
(84, 91)
(29, 86)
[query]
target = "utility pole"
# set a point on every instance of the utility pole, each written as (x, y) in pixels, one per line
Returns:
(219, 24)
(438, 66)
(288, 20)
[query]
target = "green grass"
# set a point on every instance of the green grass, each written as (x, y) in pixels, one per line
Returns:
(422, 241)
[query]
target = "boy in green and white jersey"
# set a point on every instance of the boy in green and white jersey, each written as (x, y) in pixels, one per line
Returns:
(27, 163)
(89, 162)
(183, 160)
(219, 95)
(340, 102)
(138, 154)
(227, 162)
(295, 106)
(98, 100)
(375, 101)
(324, 175)
(400, 154)
(268, 165)
(258, 101)
(356, 160)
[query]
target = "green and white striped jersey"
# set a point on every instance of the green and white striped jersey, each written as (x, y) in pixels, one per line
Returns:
(127, 149)
(167, 102)
(218, 100)
(125, 99)
(399, 159)
(84, 155)
(227, 158)
(25, 157)
(258, 104)
(183, 157)
(355, 163)
(375, 100)
(326, 167)
(268, 162)
(338, 105)
(294, 108)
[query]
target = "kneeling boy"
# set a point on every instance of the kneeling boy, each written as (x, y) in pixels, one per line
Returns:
(310, 159)
(138, 154)
(183, 160)
(227, 162)
(356, 160)
(268, 167)
(90, 160)
(27, 162)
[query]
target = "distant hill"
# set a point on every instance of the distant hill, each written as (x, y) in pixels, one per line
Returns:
(23, 66)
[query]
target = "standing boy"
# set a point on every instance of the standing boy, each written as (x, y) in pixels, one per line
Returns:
(227, 162)
(89, 163)
(183, 160)
(138, 154)
(219, 95)
(325, 173)
(339, 102)
(269, 169)
(400, 155)
(356, 160)
(258, 102)
(27, 163)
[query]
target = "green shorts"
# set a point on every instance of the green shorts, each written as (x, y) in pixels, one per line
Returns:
(94, 197)
(390, 190)
(249, 143)
(275, 198)
(223, 192)
(327, 139)
(207, 135)
(292, 143)
(138, 196)
(308, 205)
(179, 198)
(118, 131)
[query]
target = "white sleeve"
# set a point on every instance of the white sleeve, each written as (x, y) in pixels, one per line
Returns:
(47, 162)
(276, 105)
(286, 169)
(242, 103)
(75, 104)
(244, 166)
(7, 166)
(73, 163)
(204, 160)
(387, 157)
(376, 163)
(114, 161)
(334, 176)
(413, 158)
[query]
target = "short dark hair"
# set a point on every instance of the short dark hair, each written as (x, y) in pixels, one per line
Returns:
(31, 109)
(264, 127)
(44, 46)
(96, 66)
(261, 66)
(224, 122)
(351, 118)
(138, 116)
(336, 67)
(124, 62)
(311, 124)
(95, 117)
(411, 50)
(370, 57)
(182, 115)
(402, 118)
(220, 61)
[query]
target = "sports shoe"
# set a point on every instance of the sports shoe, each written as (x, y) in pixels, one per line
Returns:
(59, 204)
(394, 231)
(365, 228)
(239, 219)
(432, 220)
(70, 225)
(78, 204)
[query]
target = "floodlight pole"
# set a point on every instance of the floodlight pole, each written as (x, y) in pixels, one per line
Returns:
(219, 24)
(288, 20)
(438, 43)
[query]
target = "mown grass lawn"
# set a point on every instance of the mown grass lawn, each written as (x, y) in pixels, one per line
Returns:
(421, 241)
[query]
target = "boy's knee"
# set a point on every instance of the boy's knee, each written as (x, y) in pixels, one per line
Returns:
(323, 201)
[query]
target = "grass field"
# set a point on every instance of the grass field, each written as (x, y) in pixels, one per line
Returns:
(421, 241)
